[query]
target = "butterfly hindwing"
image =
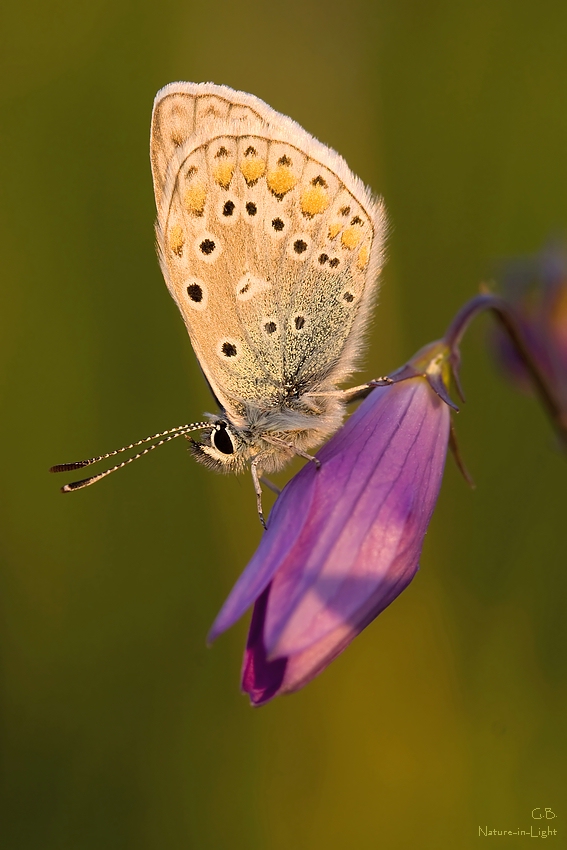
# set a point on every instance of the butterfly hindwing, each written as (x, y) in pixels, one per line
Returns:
(269, 244)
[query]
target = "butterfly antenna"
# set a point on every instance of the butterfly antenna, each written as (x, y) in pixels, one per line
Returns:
(162, 437)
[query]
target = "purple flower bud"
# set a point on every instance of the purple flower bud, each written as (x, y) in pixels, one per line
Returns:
(342, 541)
(537, 288)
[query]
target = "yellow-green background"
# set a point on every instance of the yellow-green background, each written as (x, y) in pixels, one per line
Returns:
(119, 728)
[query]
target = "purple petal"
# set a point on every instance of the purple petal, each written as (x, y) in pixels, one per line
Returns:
(261, 679)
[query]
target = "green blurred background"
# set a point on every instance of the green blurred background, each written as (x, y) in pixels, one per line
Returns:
(119, 728)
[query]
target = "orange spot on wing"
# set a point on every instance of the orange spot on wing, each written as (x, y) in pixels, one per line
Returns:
(281, 180)
(222, 173)
(176, 239)
(314, 200)
(194, 200)
(252, 169)
(351, 237)
(363, 257)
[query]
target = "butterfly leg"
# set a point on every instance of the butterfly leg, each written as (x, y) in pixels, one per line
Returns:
(270, 485)
(275, 441)
(258, 489)
(357, 393)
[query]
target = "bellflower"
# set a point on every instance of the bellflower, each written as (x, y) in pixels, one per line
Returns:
(344, 540)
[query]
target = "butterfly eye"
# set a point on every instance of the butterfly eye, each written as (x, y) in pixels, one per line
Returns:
(220, 439)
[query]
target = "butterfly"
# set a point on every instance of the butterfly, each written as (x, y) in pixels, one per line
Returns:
(271, 248)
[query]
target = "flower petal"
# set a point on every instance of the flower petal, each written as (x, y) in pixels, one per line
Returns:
(261, 679)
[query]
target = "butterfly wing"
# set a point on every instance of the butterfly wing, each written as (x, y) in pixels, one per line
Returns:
(269, 244)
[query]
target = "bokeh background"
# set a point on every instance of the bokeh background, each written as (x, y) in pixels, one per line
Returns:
(119, 728)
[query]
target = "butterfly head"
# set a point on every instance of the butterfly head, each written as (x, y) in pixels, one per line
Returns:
(222, 448)
(226, 447)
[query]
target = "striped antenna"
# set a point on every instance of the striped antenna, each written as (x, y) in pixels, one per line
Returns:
(162, 437)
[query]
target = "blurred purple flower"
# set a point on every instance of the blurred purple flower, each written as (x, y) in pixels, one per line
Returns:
(342, 541)
(536, 287)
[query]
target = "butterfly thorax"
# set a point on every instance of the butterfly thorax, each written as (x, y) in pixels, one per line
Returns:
(273, 436)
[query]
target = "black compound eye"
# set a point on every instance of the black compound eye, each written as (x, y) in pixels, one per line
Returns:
(220, 439)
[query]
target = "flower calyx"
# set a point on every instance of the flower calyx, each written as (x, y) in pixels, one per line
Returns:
(437, 364)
